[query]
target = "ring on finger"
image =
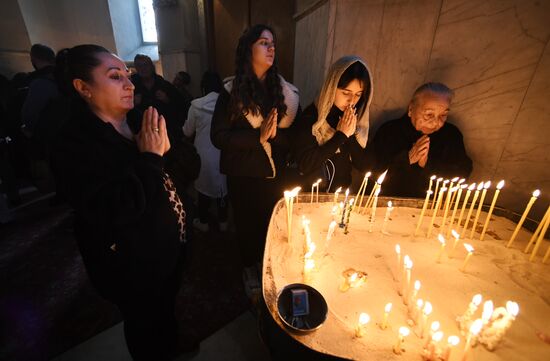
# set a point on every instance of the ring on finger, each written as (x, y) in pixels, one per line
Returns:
(156, 130)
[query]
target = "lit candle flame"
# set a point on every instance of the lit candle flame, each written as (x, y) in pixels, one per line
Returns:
(364, 319)
(388, 307)
(455, 179)
(468, 247)
(404, 331)
(409, 264)
(462, 181)
(406, 259)
(455, 234)
(512, 308)
(441, 239)
(368, 174)
(397, 249)
(417, 285)
(536, 193)
(419, 303)
(435, 326)
(472, 187)
(446, 181)
(353, 277)
(487, 185)
(476, 300)
(440, 179)
(476, 327)
(433, 177)
(347, 192)
(390, 204)
(487, 310)
(310, 264)
(437, 336)
(427, 308)
(338, 190)
(500, 184)
(295, 191)
(464, 186)
(381, 178)
(453, 340)
(480, 186)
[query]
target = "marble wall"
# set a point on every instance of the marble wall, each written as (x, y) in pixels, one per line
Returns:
(494, 54)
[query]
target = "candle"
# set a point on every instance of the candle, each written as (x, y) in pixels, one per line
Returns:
(470, 250)
(336, 195)
(444, 185)
(499, 187)
(289, 201)
(452, 341)
(424, 206)
(488, 308)
(540, 238)
(441, 191)
(387, 311)
(408, 267)
(474, 330)
(483, 194)
(432, 178)
(432, 347)
(464, 320)
(342, 224)
(476, 194)
(373, 212)
(535, 196)
(350, 208)
(513, 310)
(363, 320)
(374, 189)
(315, 187)
(398, 252)
(403, 332)
(442, 248)
(455, 208)
(387, 217)
(537, 231)
(425, 313)
(450, 193)
(459, 185)
(470, 189)
(447, 206)
(331, 228)
(435, 193)
(363, 188)
(414, 293)
(433, 329)
(418, 311)
(309, 264)
(406, 261)
(456, 237)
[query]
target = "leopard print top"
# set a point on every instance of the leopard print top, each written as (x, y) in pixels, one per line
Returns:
(176, 203)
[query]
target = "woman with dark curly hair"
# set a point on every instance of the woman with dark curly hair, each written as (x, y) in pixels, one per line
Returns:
(250, 126)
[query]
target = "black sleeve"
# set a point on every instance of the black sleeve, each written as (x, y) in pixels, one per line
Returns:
(453, 161)
(310, 156)
(362, 159)
(224, 136)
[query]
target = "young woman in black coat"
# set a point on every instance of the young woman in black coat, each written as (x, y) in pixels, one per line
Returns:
(129, 221)
(250, 126)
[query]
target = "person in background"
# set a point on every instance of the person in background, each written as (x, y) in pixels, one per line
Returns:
(153, 90)
(129, 220)
(420, 144)
(210, 184)
(181, 82)
(250, 126)
(332, 133)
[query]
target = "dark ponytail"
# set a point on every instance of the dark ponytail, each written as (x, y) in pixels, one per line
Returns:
(77, 63)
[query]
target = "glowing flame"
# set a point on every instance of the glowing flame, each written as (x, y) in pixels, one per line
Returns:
(397, 249)
(536, 193)
(476, 327)
(487, 310)
(453, 340)
(406, 259)
(353, 277)
(437, 336)
(479, 186)
(419, 303)
(476, 300)
(468, 247)
(381, 178)
(417, 285)
(347, 192)
(512, 308)
(435, 326)
(443, 189)
(295, 191)
(409, 264)
(462, 181)
(351, 201)
(310, 264)
(455, 234)
(472, 187)
(367, 175)
(430, 192)
(500, 184)
(404, 331)
(487, 185)
(441, 239)
(439, 179)
(390, 204)
(433, 177)
(364, 318)
(338, 190)
(427, 308)
(387, 309)
(464, 186)
(455, 179)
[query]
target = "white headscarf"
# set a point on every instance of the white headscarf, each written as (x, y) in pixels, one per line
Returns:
(321, 129)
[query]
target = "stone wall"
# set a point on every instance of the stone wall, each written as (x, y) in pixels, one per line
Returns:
(494, 54)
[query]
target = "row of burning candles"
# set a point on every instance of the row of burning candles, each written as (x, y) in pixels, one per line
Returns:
(488, 330)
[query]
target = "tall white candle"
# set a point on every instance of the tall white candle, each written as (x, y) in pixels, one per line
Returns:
(486, 186)
(470, 251)
(455, 208)
(441, 191)
(374, 209)
(495, 197)
(403, 332)
(424, 206)
(387, 310)
(535, 196)
(362, 189)
(476, 194)
(442, 248)
(387, 217)
(364, 318)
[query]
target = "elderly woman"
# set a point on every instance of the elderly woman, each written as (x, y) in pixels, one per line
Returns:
(332, 133)
(129, 220)
(250, 126)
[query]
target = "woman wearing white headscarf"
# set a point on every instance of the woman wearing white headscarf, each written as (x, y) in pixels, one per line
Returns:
(333, 132)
